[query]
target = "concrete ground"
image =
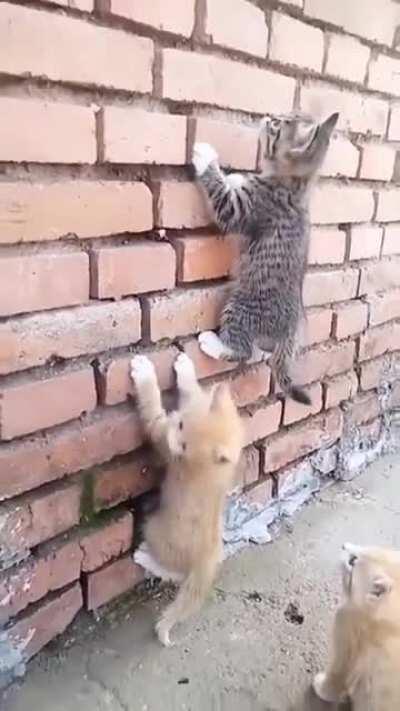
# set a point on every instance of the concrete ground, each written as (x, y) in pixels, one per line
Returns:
(257, 643)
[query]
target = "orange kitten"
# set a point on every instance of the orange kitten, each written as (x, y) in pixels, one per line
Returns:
(201, 445)
(365, 664)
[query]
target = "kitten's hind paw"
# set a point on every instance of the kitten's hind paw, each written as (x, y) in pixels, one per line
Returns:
(203, 156)
(211, 345)
(142, 369)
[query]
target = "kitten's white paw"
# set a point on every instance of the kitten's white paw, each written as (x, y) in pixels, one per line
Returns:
(184, 368)
(162, 632)
(211, 345)
(142, 369)
(203, 155)
(320, 688)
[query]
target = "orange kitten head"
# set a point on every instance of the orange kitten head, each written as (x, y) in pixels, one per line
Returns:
(370, 575)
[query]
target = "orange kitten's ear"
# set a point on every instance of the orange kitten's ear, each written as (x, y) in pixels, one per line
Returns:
(381, 585)
(221, 397)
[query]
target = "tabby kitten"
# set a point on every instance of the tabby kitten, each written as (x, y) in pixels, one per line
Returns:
(271, 211)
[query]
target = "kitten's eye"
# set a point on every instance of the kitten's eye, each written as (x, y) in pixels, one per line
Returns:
(352, 559)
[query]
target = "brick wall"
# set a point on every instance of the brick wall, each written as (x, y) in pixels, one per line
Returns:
(106, 247)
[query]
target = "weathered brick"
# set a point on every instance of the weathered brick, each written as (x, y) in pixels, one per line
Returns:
(341, 388)
(32, 462)
(235, 143)
(43, 281)
(375, 372)
(249, 466)
(31, 405)
(365, 241)
(394, 124)
(332, 204)
(320, 431)
(175, 16)
(30, 341)
(133, 269)
(251, 385)
(384, 74)
(113, 580)
(357, 112)
(377, 162)
(262, 422)
(317, 326)
(384, 307)
(347, 58)
(181, 205)
(84, 208)
(207, 79)
(295, 411)
(206, 367)
(294, 42)
(391, 242)
(44, 132)
(358, 18)
(380, 340)
(53, 567)
(101, 544)
(205, 257)
(327, 246)
(122, 480)
(380, 276)
(324, 361)
(40, 45)
(325, 287)
(33, 631)
(136, 136)
(365, 407)
(388, 206)
(225, 27)
(349, 319)
(184, 312)
(342, 158)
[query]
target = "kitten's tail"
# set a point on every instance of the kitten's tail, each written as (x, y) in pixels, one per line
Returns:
(282, 359)
(189, 599)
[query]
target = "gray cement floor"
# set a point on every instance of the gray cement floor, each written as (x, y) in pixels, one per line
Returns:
(247, 651)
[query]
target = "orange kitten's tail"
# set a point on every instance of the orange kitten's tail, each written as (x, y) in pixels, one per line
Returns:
(189, 599)
(281, 363)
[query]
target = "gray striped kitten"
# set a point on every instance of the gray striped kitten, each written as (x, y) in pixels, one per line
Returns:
(271, 211)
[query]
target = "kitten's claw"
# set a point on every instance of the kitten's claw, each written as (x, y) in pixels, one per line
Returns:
(320, 688)
(211, 345)
(142, 369)
(203, 156)
(162, 632)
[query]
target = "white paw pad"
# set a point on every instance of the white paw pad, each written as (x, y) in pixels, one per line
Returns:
(142, 369)
(211, 345)
(203, 156)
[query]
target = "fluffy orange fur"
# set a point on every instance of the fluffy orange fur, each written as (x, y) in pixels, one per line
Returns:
(201, 445)
(365, 664)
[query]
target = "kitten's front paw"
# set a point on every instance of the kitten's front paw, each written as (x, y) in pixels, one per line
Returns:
(203, 156)
(142, 369)
(321, 688)
(184, 367)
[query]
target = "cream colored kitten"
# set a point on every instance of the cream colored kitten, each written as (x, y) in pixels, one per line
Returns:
(201, 445)
(365, 664)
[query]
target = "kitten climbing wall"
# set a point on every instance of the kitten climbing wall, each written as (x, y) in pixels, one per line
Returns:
(106, 246)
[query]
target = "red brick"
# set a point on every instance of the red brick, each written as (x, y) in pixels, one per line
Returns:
(391, 244)
(342, 158)
(28, 406)
(56, 565)
(375, 372)
(137, 136)
(324, 361)
(208, 79)
(294, 411)
(251, 385)
(205, 366)
(235, 143)
(394, 124)
(377, 277)
(134, 269)
(113, 580)
(205, 257)
(349, 319)
(108, 53)
(101, 545)
(359, 18)
(249, 466)
(122, 480)
(388, 205)
(383, 74)
(327, 246)
(364, 408)
(181, 205)
(260, 495)
(365, 241)
(84, 208)
(68, 449)
(42, 132)
(29, 341)
(33, 631)
(347, 58)
(43, 281)
(326, 287)
(116, 383)
(380, 340)
(262, 422)
(384, 307)
(377, 162)
(320, 431)
(185, 312)
(333, 203)
(168, 15)
(341, 388)
(225, 27)
(317, 326)
(295, 42)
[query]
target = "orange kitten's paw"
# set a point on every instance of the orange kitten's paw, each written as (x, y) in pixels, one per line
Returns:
(203, 156)
(321, 688)
(142, 369)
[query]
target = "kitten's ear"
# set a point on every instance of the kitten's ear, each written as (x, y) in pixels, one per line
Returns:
(327, 126)
(381, 585)
(221, 397)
